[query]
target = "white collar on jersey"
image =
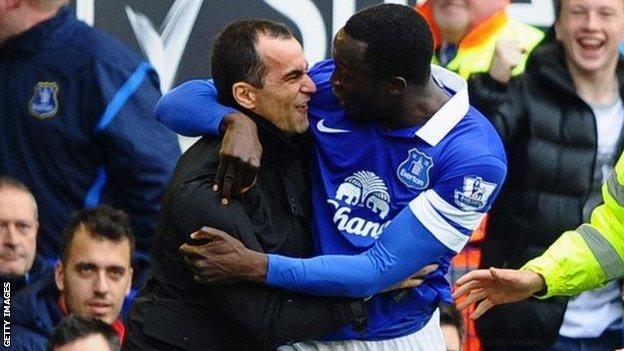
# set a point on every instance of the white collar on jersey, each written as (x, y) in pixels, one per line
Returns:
(441, 123)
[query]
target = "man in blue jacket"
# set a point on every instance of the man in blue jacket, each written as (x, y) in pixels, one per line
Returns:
(19, 262)
(90, 281)
(76, 122)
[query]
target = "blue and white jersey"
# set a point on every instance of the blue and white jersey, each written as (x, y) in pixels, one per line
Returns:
(386, 202)
(448, 171)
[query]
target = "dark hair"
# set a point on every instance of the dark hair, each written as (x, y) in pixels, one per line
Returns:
(557, 5)
(12, 183)
(75, 328)
(234, 55)
(449, 315)
(399, 41)
(101, 222)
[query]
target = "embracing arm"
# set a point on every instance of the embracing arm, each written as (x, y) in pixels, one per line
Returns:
(192, 109)
(431, 226)
(269, 316)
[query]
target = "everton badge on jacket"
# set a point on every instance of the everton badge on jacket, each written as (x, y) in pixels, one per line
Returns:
(44, 101)
(414, 171)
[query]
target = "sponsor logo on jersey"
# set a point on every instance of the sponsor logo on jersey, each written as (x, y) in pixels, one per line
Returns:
(475, 193)
(363, 194)
(414, 171)
(44, 101)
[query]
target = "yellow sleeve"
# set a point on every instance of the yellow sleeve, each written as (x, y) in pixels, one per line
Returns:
(591, 255)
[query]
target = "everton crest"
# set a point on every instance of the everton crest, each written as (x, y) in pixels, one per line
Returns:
(414, 171)
(44, 101)
(475, 193)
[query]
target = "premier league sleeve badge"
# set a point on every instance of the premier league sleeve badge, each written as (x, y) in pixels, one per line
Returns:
(44, 101)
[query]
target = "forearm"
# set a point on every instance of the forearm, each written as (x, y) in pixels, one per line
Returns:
(405, 247)
(192, 109)
(568, 267)
(591, 255)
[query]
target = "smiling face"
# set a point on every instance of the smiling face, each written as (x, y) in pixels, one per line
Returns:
(286, 90)
(591, 32)
(96, 276)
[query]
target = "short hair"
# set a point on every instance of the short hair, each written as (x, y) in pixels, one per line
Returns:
(235, 58)
(7, 182)
(398, 41)
(75, 328)
(449, 315)
(101, 222)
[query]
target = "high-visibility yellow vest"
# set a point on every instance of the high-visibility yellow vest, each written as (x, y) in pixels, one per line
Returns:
(591, 255)
(475, 51)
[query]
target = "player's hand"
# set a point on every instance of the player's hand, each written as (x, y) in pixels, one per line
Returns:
(507, 55)
(240, 157)
(414, 280)
(494, 287)
(222, 258)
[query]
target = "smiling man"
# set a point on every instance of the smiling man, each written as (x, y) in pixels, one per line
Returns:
(402, 170)
(90, 281)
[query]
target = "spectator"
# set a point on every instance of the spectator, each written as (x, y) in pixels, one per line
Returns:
(452, 327)
(562, 128)
(259, 66)
(81, 334)
(478, 40)
(580, 259)
(19, 262)
(76, 124)
(469, 33)
(90, 281)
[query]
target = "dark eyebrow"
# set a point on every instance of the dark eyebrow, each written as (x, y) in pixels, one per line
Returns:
(116, 269)
(294, 73)
(85, 265)
(297, 72)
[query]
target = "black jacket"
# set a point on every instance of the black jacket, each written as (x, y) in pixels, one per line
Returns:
(174, 313)
(550, 136)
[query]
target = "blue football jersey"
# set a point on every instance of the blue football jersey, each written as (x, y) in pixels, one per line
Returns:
(386, 202)
(447, 171)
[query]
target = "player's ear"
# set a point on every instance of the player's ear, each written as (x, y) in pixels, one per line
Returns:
(244, 94)
(397, 85)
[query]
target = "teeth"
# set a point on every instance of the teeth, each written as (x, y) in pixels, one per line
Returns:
(590, 42)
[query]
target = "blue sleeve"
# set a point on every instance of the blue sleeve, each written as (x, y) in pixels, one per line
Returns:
(192, 109)
(138, 153)
(437, 222)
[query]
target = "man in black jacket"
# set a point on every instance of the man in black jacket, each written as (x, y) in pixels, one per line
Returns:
(257, 66)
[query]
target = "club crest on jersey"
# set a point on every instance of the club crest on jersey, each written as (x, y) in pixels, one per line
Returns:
(44, 101)
(359, 195)
(414, 171)
(474, 194)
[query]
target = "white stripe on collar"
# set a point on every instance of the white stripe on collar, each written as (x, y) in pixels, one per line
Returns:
(447, 117)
